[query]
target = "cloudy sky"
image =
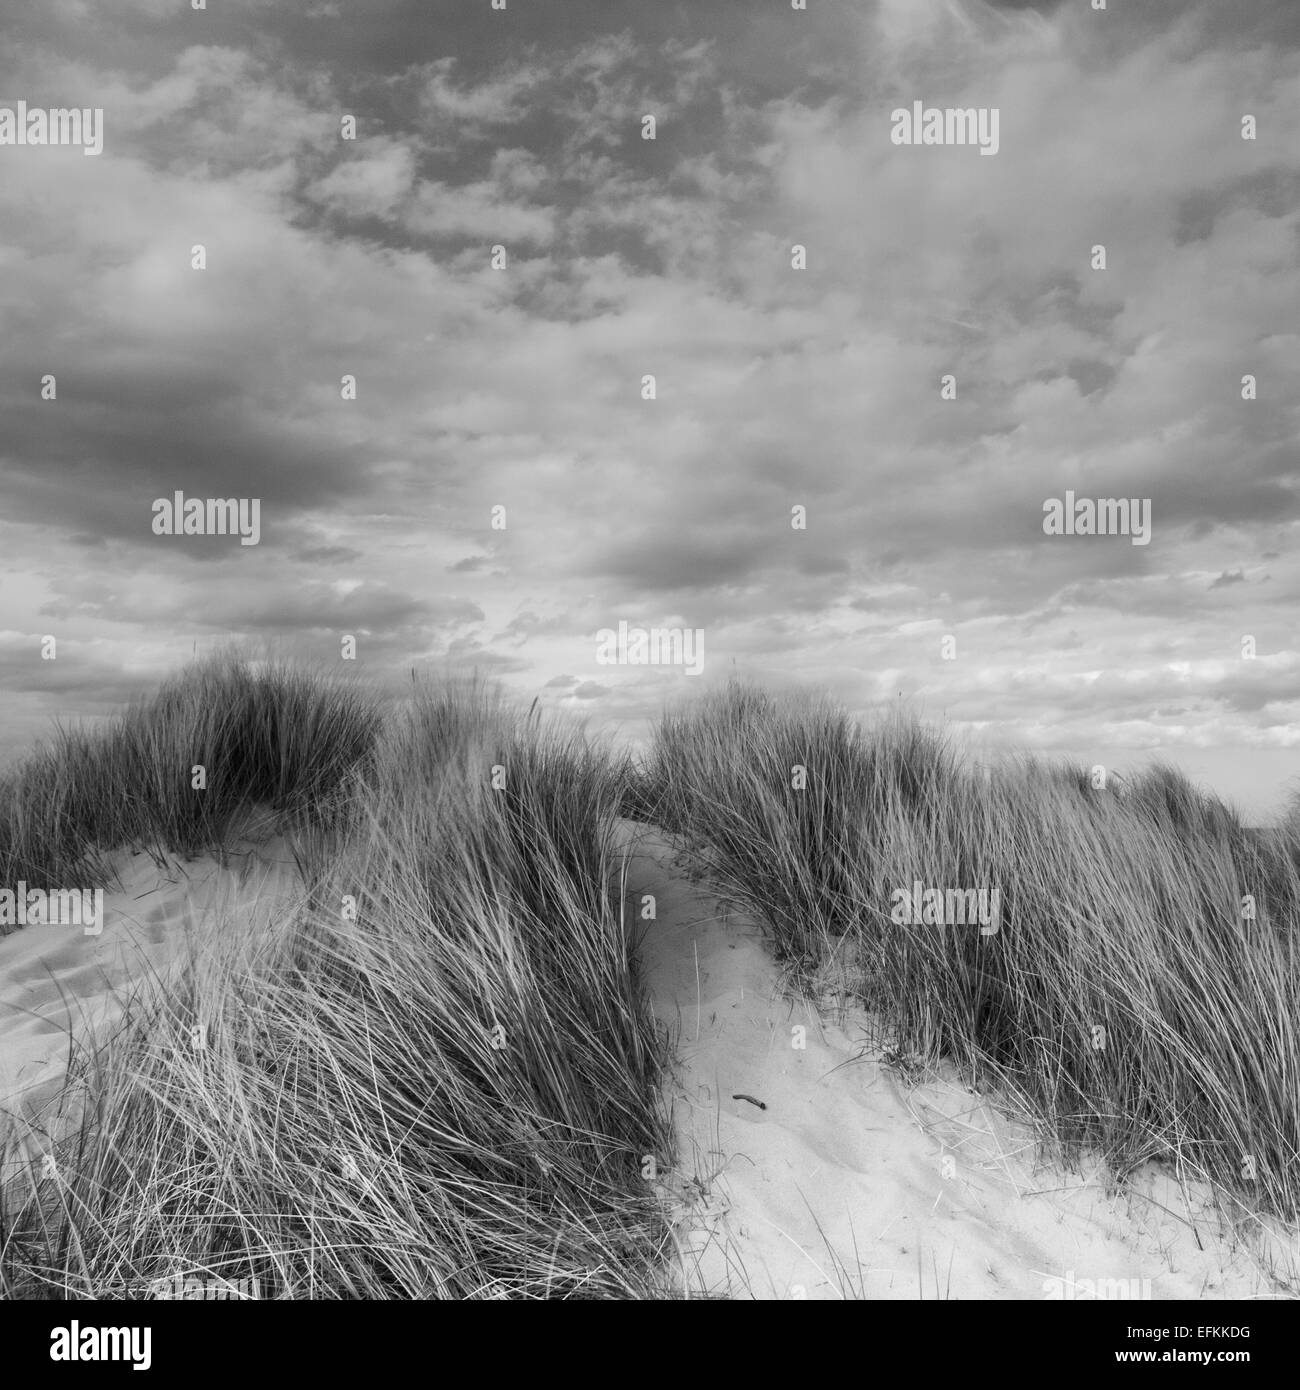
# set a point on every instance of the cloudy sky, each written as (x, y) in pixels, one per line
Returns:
(522, 387)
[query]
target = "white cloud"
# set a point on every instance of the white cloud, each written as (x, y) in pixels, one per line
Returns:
(372, 183)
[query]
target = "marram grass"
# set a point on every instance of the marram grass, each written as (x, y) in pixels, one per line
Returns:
(1141, 994)
(440, 1079)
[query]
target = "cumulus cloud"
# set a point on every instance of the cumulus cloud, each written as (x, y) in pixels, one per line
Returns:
(498, 486)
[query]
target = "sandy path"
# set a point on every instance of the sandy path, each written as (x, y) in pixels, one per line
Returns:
(851, 1182)
(854, 1182)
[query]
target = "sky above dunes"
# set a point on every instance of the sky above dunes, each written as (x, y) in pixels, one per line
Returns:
(522, 387)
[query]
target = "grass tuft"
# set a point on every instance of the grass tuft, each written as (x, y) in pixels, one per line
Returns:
(1125, 1002)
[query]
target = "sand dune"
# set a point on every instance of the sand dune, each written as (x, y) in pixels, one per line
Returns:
(63, 990)
(834, 1174)
(856, 1181)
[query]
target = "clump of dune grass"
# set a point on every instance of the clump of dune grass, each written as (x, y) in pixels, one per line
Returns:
(1141, 992)
(280, 734)
(439, 1079)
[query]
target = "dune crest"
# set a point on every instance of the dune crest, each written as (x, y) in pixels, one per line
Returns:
(858, 1179)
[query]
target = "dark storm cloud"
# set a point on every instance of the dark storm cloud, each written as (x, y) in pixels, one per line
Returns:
(1272, 191)
(124, 441)
(325, 555)
(371, 607)
(659, 564)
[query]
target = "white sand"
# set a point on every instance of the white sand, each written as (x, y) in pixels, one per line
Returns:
(63, 991)
(854, 1182)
